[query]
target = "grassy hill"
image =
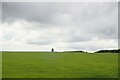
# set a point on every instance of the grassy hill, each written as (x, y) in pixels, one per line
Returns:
(59, 65)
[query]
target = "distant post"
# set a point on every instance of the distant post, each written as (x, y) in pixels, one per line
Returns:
(52, 50)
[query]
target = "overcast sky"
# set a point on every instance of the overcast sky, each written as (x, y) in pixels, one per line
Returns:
(87, 26)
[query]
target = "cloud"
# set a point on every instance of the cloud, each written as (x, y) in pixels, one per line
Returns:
(0, 12)
(63, 25)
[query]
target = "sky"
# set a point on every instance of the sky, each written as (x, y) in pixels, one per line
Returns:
(64, 26)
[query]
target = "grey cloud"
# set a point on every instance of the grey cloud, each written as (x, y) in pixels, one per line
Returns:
(77, 36)
(41, 12)
(68, 22)
(108, 32)
(52, 13)
(0, 11)
(39, 42)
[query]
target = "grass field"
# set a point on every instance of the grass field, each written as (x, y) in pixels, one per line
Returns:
(0, 65)
(59, 65)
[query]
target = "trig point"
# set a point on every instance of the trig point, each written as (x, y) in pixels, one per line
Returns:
(52, 50)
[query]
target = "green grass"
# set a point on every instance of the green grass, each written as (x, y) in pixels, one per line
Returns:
(59, 65)
(0, 65)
